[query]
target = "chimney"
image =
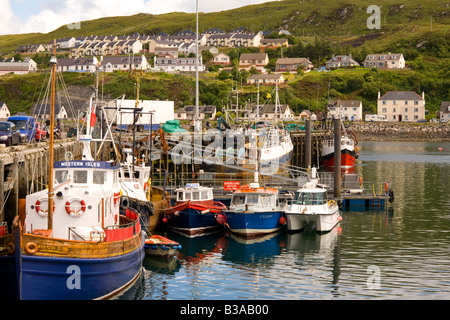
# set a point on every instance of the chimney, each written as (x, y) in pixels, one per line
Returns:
(423, 95)
(378, 94)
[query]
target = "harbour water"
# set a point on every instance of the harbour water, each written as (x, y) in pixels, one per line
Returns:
(400, 253)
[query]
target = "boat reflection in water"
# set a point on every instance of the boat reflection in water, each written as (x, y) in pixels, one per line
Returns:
(253, 250)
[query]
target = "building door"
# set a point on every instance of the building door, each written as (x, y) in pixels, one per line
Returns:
(400, 118)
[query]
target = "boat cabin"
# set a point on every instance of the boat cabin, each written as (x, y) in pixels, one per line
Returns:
(253, 197)
(195, 193)
(310, 197)
(86, 195)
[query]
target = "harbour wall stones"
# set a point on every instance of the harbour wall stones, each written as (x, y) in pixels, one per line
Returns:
(388, 131)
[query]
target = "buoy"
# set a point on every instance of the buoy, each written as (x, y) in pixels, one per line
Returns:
(282, 220)
(164, 220)
(440, 148)
(221, 219)
(339, 218)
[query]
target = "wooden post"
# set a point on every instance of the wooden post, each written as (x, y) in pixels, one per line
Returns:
(308, 144)
(337, 158)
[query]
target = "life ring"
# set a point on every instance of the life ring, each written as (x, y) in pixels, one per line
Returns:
(386, 187)
(37, 206)
(11, 248)
(75, 213)
(31, 248)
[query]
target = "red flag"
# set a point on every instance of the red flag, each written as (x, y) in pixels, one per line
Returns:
(93, 117)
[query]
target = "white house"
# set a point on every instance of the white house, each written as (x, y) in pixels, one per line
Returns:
(113, 63)
(443, 113)
(268, 79)
(385, 60)
(162, 111)
(168, 64)
(345, 109)
(4, 111)
(269, 112)
(221, 59)
(341, 61)
(17, 67)
(77, 64)
(42, 111)
(401, 106)
(204, 112)
(66, 43)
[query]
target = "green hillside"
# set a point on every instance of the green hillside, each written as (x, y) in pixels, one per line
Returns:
(341, 20)
(418, 29)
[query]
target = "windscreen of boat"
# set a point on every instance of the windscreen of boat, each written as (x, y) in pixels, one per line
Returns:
(260, 200)
(100, 177)
(61, 176)
(310, 198)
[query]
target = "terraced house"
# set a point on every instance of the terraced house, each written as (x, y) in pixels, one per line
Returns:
(257, 60)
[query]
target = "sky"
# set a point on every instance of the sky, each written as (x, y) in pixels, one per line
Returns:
(27, 16)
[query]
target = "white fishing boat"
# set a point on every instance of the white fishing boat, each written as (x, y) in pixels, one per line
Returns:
(311, 205)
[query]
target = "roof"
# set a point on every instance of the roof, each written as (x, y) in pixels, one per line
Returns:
(269, 108)
(445, 106)
(274, 76)
(401, 95)
(387, 56)
(253, 56)
(292, 61)
(344, 103)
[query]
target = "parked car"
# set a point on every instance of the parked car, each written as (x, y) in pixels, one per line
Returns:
(9, 134)
(263, 124)
(41, 134)
(26, 125)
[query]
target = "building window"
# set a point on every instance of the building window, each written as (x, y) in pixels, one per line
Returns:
(416, 109)
(406, 102)
(416, 102)
(384, 110)
(384, 102)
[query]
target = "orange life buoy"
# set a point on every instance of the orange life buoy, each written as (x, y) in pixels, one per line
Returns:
(386, 186)
(31, 247)
(37, 206)
(73, 212)
(11, 248)
(360, 181)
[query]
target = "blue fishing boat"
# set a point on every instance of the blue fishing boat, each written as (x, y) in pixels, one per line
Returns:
(195, 211)
(76, 241)
(254, 211)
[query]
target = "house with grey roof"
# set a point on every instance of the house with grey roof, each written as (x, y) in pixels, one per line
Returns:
(257, 60)
(126, 63)
(17, 66)
(345, 109)
(341, 61)
(77, 64)
(270, 112)
(401, 106)
(443, 114)
(292, 64)
(204, 112)
(385, 61)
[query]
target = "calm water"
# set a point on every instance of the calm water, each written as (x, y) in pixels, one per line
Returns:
(400, 253)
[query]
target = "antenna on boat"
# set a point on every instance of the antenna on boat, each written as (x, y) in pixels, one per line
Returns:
(53, 62)
(197, 125)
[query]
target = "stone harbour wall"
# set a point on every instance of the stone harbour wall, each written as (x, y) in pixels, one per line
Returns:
(386, 131)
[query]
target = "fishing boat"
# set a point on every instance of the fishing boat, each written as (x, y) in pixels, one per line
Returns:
(311, 205)
(194, 212)
(348, 151)
(77, 241)
(254, 211)
(159, 246)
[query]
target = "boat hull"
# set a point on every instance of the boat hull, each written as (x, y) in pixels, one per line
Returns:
(347, 159)
(76, 273)
(192, 222)
(254, 223)
(323, 222)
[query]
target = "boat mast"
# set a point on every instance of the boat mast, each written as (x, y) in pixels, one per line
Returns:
(51, 140)
(196, 121)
